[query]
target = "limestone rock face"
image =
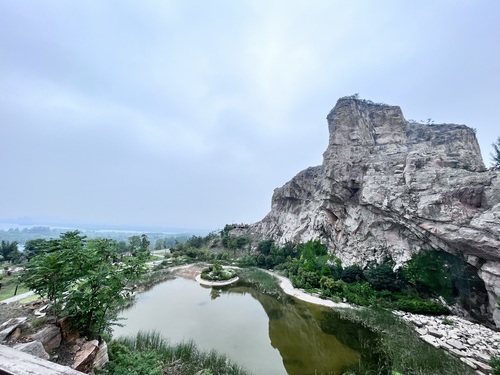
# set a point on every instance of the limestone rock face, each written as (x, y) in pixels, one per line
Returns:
(390, 188)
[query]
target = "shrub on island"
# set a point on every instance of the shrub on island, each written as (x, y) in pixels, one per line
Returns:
(216, 272)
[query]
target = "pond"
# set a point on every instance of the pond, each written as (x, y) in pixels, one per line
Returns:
(264, 334)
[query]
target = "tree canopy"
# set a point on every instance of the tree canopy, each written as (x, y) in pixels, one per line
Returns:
(88, 278)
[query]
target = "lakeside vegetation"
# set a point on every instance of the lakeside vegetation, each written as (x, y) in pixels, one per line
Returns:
(150, 354)
(400, 349)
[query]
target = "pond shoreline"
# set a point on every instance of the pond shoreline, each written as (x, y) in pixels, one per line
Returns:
(215, 283)
(474, 355)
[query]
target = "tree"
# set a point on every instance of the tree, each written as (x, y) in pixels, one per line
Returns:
(429, 274)
(264, 247)
(55, 266)
(495, 155)
(85, 278)
(138, 244)
(34, 247)
(9, 251)
(93, 304)
(382, 276)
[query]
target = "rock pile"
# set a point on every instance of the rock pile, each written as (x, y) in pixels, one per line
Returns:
(84, 355)
(474, 344)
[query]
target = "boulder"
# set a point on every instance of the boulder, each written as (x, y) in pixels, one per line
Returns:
(69, 334)
(50, 337)
(102, 355)
(8, 327)
(84, 358)
(34, 348)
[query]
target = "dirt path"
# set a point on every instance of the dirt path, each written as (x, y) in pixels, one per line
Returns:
(188, 271)
(288, 288)
(17, 298)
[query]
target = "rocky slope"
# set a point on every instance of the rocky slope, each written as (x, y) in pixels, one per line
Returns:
(388, 188)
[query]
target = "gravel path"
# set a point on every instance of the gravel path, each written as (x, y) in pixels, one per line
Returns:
(288, 288)
(17, 298)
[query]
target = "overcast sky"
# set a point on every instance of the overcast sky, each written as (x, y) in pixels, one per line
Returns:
(189, 113)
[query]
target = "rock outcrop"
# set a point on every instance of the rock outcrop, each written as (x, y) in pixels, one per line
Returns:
(389, 188)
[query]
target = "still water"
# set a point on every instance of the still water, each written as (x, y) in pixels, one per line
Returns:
(261, 333)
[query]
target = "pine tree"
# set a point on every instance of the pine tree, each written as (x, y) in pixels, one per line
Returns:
(495, 156)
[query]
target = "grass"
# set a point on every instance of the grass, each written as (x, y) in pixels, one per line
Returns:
(149, 353)
(401, 350)
(9, 286)
(260, 280)
(154, 277)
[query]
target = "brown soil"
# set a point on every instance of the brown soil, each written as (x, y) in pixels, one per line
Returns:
(189, 272)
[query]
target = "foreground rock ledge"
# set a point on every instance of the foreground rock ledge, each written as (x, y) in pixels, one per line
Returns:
(19, 363)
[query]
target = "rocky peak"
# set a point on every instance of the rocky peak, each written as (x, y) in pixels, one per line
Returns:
(388, 188)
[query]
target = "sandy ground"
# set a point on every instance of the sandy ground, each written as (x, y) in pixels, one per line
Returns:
(188, 271)
(288, 288)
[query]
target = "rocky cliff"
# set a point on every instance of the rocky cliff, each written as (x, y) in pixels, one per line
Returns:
(388, 188)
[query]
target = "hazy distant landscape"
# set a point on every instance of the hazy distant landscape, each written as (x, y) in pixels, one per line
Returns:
(167, 237)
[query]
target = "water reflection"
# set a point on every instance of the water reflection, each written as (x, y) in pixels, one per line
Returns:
(297, 330)
(262, 333)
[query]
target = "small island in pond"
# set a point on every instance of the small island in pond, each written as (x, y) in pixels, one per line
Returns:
(216, 275)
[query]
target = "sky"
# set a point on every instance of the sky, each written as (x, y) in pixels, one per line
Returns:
(189, 114)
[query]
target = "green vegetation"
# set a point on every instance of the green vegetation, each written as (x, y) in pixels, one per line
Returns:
(216, 272)
(9, 252)
(88, 278)
(260, 280)
(10, 286)
(414, 288)
(495, 365)
(400, 349)
(149, 354)
(159, 239)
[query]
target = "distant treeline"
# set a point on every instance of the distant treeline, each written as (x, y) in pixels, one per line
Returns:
(159, 240)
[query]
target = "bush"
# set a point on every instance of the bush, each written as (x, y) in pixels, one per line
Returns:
(248, 261)
(495, 365)
(352, 274)
(149, 354)
(215, 272)
(331, 287)
(360, 293)
(309, 279)
(135, 363)
(382, 277)
(264, 247)
(429, 274)
(417, 306)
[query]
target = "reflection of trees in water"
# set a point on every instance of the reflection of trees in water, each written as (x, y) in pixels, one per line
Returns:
(311, 339)
(215, 293)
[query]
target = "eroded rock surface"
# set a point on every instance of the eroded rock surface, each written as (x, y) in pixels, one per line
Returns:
(391, 188)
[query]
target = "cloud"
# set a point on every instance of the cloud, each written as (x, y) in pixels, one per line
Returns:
(191, 113)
